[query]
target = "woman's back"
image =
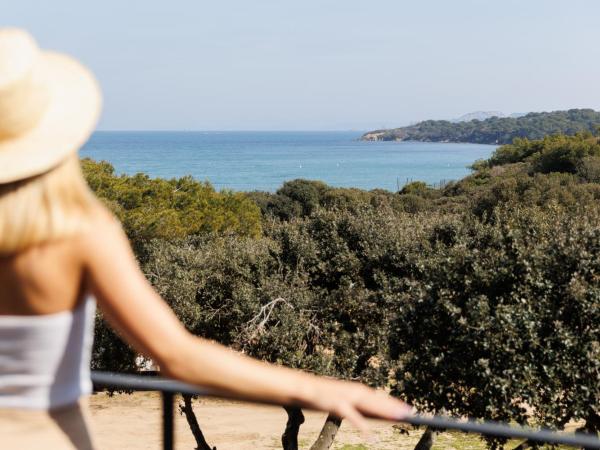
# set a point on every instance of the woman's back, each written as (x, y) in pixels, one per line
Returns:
(46, 327)
(44, 279)
(45, 359)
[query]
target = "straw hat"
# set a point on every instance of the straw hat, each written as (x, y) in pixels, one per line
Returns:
(49, 106)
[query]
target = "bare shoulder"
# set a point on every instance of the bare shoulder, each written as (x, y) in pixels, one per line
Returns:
(102, 216)
(105, 233)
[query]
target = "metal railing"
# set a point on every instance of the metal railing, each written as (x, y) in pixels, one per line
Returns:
(168, 389)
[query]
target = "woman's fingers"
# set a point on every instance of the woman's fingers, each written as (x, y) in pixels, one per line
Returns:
(379, 404)
(365, 401)
(354, 401)
(348, 412)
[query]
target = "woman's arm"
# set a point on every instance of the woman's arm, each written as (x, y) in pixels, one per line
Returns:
(138, 313)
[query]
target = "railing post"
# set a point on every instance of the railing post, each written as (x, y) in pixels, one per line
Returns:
(168, 438)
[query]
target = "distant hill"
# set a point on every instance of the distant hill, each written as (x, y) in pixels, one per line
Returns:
(479, 115)
(493, 130)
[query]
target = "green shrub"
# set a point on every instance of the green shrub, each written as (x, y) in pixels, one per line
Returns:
(152, 208)
(504, 315)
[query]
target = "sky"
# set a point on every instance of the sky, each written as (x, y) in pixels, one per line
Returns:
(322, 64)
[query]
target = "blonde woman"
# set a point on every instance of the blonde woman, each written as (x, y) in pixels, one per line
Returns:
(61, 252)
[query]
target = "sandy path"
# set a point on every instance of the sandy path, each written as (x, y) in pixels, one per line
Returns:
(134, 421)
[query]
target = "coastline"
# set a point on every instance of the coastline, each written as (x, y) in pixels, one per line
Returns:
(263, 161)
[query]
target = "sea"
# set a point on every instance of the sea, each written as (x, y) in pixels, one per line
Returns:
(259, 160)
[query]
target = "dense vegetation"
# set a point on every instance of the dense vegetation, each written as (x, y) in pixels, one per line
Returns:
(481, 298)
(155, 208)
(495, 130)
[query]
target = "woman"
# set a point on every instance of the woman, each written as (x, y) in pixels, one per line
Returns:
(60, 249)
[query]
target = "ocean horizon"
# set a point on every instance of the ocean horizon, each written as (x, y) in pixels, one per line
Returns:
(264, 160)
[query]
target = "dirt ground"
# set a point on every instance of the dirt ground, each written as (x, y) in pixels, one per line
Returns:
(133, 422)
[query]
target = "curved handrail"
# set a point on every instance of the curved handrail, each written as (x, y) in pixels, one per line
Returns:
(141, 383)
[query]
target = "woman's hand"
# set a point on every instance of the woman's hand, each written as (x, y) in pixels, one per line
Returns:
(355, 401)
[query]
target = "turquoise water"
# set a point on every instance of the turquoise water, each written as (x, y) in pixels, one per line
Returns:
(246, 161)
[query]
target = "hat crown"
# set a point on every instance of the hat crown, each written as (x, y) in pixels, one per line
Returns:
(49, 105)
(18, 52)
(23, 98)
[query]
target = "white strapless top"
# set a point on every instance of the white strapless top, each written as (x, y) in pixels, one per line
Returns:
(45, 359)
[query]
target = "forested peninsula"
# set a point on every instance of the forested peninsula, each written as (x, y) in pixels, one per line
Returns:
(495, 130)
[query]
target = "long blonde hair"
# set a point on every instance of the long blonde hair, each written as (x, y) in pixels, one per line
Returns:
(51, 206)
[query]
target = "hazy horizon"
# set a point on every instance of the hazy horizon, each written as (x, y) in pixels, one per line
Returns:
(322, 65)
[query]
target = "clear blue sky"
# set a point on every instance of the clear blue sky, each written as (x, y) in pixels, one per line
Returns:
(321, 64)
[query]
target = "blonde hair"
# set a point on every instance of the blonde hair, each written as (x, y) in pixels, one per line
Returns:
(51, 206)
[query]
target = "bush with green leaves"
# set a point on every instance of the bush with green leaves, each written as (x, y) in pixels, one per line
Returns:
(305, 295)
(501, 320)
(155, 208)
(557, 153)
(152, 208)
(300, 198)
(251, 293)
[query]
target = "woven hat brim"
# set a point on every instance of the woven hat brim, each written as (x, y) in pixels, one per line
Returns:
(70, 118)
